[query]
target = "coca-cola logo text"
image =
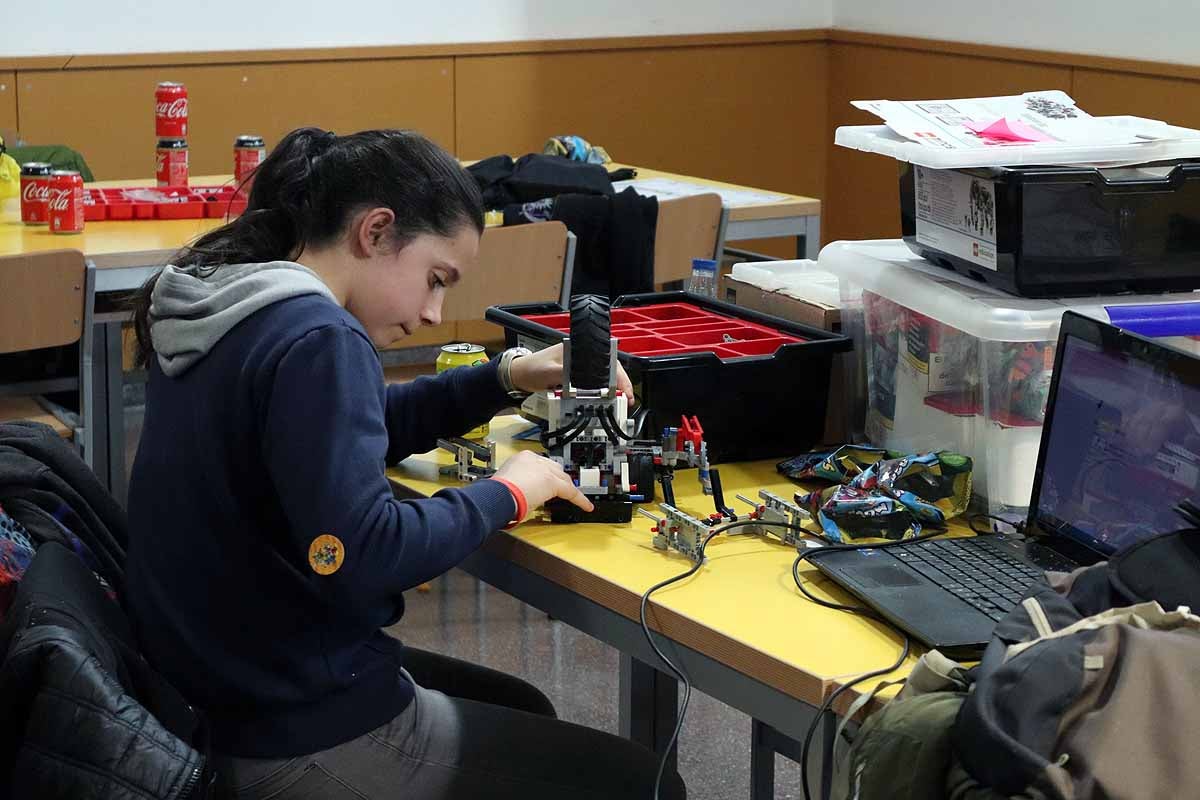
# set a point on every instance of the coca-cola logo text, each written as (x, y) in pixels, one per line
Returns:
(59, 200)
(35, 193)
(160, 161)
(176, 109)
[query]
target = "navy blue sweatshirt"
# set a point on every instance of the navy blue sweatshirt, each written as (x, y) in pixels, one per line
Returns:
(278, 436)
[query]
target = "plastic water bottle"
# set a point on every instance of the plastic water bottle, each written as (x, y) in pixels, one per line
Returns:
(704, 277)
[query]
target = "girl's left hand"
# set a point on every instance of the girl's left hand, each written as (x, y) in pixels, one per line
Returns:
(544, 370)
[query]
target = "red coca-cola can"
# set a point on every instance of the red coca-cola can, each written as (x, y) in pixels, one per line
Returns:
(35, 191)
(170, 110)
(248, 152)
(66, 202)
(171, 162)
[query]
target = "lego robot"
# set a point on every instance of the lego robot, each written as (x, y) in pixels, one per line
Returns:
(591, 432)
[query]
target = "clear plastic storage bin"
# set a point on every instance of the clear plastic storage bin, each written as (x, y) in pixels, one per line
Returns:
(943, 362)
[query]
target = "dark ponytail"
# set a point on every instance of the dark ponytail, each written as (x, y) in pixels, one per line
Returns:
(309, 188)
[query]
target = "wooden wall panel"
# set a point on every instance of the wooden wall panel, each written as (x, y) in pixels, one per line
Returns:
(861, 199)
(108, 113)
(1175, 100)
(8, 102)
(750, 114)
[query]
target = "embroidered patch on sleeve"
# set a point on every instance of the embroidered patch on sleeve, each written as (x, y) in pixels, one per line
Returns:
(326, 554)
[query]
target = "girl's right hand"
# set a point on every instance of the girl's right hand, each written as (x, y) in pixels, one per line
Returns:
(541, 479)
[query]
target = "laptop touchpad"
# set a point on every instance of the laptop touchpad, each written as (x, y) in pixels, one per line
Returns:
(885, 576)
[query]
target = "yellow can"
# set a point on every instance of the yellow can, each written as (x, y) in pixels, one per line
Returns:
(462, 354)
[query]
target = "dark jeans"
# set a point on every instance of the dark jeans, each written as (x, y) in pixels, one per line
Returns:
(469, 732)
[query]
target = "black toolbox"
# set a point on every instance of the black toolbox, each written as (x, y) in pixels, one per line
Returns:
(759, 384)
(1059, 231)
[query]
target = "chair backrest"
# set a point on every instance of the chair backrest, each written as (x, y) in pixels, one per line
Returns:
(47, 299)
(688, 227)
(517, 264)
(43, 300)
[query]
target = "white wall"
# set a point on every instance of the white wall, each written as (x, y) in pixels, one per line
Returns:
(140, 26)
(1154, 30)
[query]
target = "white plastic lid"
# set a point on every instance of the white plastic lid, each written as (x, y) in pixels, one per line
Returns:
(887, 267)
(1178, 143)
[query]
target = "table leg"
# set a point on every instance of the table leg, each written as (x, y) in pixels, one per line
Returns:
(808, 244)
(762, 762)
(649, 706)
(829, 725)
(99, 457)
(114, 410)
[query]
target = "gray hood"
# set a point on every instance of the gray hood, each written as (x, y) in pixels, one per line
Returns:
(190, 313)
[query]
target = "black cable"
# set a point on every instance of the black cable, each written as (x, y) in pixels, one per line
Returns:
(639, 420)
(806, 555)
(803, 555)
(611, 428)
(687, 684)
(571, 432)
(1190, 513)
(616, 432)
(829, 701)
(1019, 527)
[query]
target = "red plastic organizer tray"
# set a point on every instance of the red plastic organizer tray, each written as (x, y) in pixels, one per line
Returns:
(195, 202)
(671, 329)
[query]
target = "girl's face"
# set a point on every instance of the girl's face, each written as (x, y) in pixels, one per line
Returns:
(394, 292)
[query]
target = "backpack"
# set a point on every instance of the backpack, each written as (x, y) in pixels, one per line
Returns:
(1088, 688)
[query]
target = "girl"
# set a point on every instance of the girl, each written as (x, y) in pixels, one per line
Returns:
(267, 551)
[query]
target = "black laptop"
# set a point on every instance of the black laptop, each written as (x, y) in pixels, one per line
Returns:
(1120, 449)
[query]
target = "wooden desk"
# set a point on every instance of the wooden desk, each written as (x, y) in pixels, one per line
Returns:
(784, 215)
(738, 628)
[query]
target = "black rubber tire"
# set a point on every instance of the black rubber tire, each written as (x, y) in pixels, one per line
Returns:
(590, 331)
(641, 472)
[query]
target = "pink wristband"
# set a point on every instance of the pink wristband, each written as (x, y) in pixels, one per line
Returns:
(519, 497)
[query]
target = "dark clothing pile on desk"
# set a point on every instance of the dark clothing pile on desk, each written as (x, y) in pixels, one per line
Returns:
(615, 231)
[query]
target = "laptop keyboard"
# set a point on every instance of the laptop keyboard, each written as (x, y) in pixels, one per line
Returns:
(985, 576)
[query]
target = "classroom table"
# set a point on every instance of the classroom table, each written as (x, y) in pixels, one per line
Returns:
(127, 253)
(738, 628)
(748, 213)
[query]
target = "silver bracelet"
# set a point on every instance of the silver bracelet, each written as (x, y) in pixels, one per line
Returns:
(505, 372)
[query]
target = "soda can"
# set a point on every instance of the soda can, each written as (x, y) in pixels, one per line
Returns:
(464, 355)
(170, 110)
(171, 162)
(35, 192)
(65, 203)
(248, 152)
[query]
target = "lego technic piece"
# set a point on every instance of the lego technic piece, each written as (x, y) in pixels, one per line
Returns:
(678, 531)
(465, 453)
(774, 509)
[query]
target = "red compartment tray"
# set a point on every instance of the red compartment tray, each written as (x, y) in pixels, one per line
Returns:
(679, 328)
(195, 202)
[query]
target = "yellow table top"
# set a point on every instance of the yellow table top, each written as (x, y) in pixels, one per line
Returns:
(121, 243)
(741, 608)
(145, 243)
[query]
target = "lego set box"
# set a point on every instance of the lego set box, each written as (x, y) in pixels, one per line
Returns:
(758, 384)
(1040, 231)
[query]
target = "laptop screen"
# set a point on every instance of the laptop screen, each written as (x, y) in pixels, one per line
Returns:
(1121, 445)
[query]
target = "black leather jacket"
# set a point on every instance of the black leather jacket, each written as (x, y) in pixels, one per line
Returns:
(84, 715)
